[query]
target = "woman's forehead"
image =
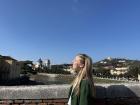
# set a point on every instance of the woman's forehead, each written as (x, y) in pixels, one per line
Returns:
(77, 58)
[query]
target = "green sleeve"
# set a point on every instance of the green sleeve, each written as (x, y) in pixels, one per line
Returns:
(84, 93)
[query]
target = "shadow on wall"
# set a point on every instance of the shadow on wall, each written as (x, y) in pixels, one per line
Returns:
(100, 98)
(117, 95)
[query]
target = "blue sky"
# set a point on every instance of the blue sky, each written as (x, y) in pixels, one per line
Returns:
(59, 29)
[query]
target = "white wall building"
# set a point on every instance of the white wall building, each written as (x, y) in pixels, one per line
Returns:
(45, 63)
(119, 70)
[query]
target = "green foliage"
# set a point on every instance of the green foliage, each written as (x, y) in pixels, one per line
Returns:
(53, 71)
(101, 72)
(26, 68)
(134, 69)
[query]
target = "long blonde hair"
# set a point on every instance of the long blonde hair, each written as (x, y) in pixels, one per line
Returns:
(85, 73)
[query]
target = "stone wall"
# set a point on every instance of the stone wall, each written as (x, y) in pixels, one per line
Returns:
(106, 94)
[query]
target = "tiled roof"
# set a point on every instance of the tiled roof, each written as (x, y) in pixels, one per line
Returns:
(7, 58)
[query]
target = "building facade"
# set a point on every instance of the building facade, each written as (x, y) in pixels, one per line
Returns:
(9, 68)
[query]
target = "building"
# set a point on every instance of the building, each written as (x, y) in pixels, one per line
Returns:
(47, 63)
(119, 71)
(42, 63)
(109, 58)
(9, 68)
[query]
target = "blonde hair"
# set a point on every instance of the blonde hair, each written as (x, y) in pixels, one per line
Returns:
(85, 73)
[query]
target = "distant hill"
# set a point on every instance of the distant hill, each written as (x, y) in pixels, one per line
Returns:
(116, 62)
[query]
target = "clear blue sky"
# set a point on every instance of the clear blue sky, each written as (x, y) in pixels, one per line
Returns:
(59, 29)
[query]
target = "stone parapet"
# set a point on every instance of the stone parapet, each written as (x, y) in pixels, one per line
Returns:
(106, 94)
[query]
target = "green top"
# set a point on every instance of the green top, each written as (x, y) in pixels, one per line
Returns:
(85, 97)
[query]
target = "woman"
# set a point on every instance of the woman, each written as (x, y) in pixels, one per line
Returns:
(82, 90)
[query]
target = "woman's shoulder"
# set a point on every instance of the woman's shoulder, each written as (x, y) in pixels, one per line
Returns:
(84, 81)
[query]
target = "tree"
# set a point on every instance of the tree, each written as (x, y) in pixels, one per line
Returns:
(100, 71)
(27, 67)
(134, 69)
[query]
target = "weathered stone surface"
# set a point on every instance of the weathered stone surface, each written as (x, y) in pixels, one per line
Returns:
(34, 92)
(61, 91)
